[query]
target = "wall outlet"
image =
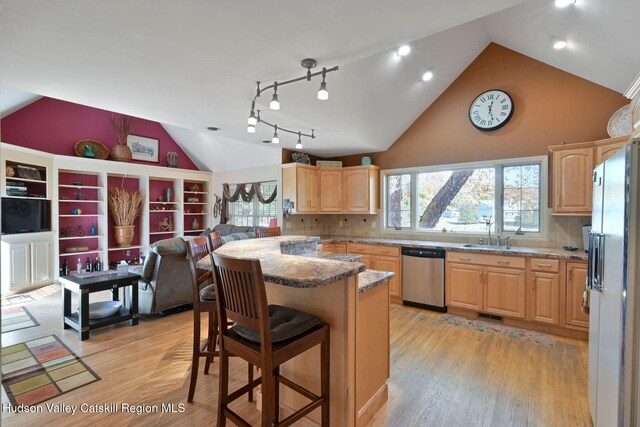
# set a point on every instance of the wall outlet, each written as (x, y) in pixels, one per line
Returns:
(340, 224)
(288, 225)
(373, 224)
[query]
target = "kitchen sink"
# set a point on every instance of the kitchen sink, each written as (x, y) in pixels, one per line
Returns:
(487, 247)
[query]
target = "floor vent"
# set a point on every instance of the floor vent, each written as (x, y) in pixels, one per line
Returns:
(491, 317)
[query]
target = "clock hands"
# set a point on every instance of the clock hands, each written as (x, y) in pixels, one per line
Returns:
(490, 110)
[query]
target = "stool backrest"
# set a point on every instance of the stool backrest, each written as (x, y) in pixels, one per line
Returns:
(268, 232)
(198, 248)
(215, 240)
(241, 295)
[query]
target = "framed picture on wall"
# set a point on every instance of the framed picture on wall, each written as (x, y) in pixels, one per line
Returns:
(143, 148)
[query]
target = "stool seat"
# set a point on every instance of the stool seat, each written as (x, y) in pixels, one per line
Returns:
(285, 323)
(208, 293)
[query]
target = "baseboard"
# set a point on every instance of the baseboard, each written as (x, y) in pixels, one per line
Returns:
(371, 408)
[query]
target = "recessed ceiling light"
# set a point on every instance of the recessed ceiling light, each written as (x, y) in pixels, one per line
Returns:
(213, 128)
(403, 50)
(428, 75)
(266, 141)
(565, 3)
(559, 43)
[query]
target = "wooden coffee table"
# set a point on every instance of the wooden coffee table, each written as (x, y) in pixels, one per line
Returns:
(85, 285)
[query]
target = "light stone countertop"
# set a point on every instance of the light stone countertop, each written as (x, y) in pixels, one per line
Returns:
(369, 279)
(452, 246)
(294, 269)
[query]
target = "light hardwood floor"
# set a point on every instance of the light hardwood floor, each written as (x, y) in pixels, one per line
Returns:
(440, 375)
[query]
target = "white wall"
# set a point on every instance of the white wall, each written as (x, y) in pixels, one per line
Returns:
(256, 174)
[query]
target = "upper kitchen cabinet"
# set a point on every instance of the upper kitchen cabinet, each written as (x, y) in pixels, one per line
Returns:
(572, 188)
(301, 184)
(634, 94)
(331, 190)
(360, 192)
(572, 173)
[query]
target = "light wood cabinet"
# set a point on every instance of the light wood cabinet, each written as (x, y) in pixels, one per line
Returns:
(348, 190)
(504, 292)
(545, 296)
(383, 258)
(338, 248)
(576, 278)
(607, 148)
(330, 190)
(572, 187)
(464, 286)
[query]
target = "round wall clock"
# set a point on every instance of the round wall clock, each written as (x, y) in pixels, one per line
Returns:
(491, 110)
(620, 123)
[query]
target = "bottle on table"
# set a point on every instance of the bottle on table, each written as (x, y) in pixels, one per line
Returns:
(88, 265)
(79, 266)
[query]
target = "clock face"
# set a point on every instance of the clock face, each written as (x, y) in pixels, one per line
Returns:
(491, 110)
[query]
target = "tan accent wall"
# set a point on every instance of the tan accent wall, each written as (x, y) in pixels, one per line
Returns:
(551, 107)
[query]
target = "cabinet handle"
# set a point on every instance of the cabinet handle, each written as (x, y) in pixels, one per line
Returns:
(481, 278)
(464, 258)
(503, 262)
(570, 275)
(385, 251)
(544, 265)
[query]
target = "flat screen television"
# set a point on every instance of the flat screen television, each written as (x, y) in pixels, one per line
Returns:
(25, 215)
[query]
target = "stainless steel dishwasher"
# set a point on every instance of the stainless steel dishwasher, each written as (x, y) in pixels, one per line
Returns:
(423, 278)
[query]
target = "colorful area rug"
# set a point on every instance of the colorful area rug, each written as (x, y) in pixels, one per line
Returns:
(37, 370)
(35, 295)
(20, 299)
(533, 337)
(15, 318)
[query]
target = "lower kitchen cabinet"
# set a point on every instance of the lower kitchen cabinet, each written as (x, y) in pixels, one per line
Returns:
(545, 294)
(385, 263)
(383, 258)
(576, 278)
(337, 248)
(504, 291)
(463, 286)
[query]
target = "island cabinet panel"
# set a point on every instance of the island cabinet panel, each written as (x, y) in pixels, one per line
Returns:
(392, 264)
(576, 277)
(504, 292)
(545, 296)
(330, 190)
(572, 187)
(464, 285)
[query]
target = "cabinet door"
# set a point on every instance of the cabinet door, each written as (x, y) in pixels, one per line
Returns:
(356, 183)
(40, 262)
(392, 264)
(19, 259)
(338, 248)
(572, 185)
(314, 190)
(545, 296)
(464, 286)
(304, 189)
(367, 260)
(576, 278)
(504, 291)
(603, 152)
(330, 190)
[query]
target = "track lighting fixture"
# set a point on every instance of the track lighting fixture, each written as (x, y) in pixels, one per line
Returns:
(274, 104)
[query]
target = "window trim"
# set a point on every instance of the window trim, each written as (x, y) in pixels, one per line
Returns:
(498, 165)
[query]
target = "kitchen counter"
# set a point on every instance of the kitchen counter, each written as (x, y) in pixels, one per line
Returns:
(369, 279)
(452, 246)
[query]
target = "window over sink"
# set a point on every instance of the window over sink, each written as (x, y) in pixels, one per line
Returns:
(464, 198)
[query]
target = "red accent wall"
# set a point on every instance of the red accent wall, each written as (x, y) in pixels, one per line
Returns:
(54, 126)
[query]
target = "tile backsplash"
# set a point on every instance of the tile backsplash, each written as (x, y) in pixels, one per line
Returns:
(561, 230)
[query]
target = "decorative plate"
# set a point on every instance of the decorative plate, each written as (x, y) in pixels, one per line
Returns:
(98, 310)
(620, 123)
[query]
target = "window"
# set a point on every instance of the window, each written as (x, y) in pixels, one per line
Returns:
(465, 198)
(253, 213)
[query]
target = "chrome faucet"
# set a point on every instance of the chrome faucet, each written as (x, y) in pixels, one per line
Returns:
(489, 224)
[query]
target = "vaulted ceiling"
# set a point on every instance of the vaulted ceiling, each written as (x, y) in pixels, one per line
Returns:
(194, 64)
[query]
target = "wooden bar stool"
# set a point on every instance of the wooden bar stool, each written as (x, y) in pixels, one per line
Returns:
(204, 301)
(268, 232)
(265, 336)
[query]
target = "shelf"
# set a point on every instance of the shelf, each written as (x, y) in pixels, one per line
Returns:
(79, 237)
(194, 213)
(78, 201)
(195, 231)
(196, 192)
(164, 203)
(161, 211)
(162, 232)
(25, 197)
(13, 178)
(125, 249)
(81, 215)
(80, 187)
(80, 253)
(195, 203)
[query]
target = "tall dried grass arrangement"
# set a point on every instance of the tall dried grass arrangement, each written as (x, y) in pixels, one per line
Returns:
(124, 205)
(122, 127)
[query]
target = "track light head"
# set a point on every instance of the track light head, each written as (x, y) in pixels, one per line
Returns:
(251, 129)
(299, 144)
(323, 94)
(275, 139)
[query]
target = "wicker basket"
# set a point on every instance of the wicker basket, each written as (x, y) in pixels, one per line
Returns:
(121, 153)
(99, 148)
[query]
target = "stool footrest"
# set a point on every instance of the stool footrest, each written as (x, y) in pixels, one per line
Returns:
(303, 391)
(235, 418)
(243, 390)
(300, 413)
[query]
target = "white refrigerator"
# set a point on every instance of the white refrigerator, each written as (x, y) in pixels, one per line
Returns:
(614, 324)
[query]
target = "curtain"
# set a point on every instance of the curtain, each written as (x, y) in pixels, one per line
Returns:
(246, 195)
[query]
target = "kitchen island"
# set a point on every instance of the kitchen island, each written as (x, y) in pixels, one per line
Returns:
(354, 302)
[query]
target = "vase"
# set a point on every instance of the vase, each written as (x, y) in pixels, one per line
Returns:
(124, 234)
(172, 159)
(121, 153)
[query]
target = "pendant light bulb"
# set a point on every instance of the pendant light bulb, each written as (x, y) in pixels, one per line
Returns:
(323, 94)
(275, 139)
(252, 120)
(251, 129)
(275, 104)
(299, 144)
